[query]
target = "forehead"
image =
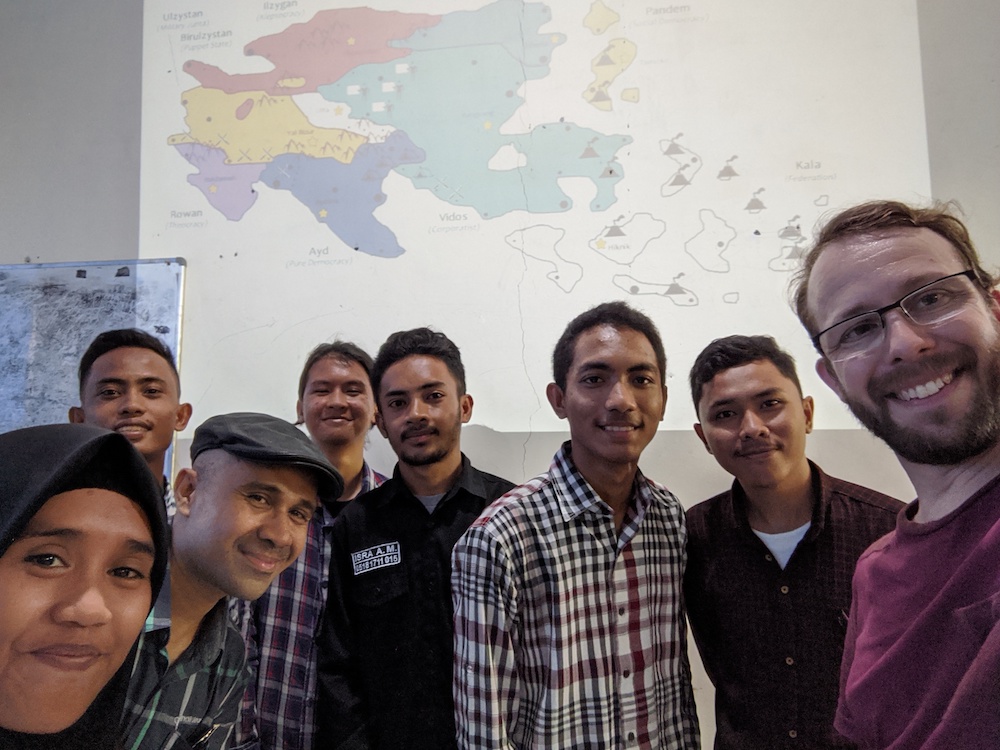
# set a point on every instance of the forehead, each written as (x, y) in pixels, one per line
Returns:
(411, 373)
(865, 272)
(131, 363)
(230, 471)
(745, 381)
(604, 343)
(334, 369)
(91, 509)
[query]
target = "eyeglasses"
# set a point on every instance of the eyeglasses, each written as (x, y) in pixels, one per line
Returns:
(930, 304)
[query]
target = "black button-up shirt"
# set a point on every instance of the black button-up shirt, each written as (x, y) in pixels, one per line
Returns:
(386, 646)
(771, 639)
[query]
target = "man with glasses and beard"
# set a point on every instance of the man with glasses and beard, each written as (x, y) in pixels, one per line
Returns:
(907, 324)
(385, 650)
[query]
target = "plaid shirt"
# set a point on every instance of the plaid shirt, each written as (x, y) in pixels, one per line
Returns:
(567, 633)
(194, 702)
(280, 630)
(771, 638)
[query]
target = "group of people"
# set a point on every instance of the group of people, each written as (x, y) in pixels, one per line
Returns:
(280, 594)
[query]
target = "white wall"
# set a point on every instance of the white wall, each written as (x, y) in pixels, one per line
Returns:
(69, 136)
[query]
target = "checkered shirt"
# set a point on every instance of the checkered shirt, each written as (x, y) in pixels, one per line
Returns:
(280, 630)
(193, 702)
(567, 633)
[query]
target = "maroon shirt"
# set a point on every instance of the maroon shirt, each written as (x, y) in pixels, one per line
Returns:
(772, 639)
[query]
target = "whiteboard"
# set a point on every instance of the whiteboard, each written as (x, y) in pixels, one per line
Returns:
(52, 311)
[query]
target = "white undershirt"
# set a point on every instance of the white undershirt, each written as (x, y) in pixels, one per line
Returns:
(783, 545)
(430, 501)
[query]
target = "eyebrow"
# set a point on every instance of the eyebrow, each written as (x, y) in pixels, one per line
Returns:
(328, 383)
(423, 387)
(760, 394)
(122, 381)
(275, 489)
(134, 545)
(605, 367)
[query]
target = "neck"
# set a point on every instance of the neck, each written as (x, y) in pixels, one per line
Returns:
(348, 460)
(155, 465)
(613, 484)
(943, 489)
(432, 479)
(190, 600)
(781, 508)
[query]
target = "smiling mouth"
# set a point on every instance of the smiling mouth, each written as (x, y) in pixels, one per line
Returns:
(923, 391)
(68, 656)
(619, 427)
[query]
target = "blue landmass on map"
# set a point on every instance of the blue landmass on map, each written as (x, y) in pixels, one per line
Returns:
(345, 196)
(461, 85)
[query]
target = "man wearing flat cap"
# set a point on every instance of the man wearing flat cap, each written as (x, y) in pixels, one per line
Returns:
(243, 510)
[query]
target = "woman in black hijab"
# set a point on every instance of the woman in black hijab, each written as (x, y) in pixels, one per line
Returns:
(83, 553)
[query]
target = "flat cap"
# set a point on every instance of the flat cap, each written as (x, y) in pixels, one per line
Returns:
(263, 439)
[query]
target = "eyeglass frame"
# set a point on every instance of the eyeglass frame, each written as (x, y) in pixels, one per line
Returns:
(969, 273)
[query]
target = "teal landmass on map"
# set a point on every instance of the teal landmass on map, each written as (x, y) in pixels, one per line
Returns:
(445, 84)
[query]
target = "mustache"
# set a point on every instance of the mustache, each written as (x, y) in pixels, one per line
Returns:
(411, 431)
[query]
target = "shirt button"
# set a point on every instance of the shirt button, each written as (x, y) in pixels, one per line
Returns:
(784, 589)
(631, 737)
(621, 610)
(792, 733)
(626, 673)
(769, 557)
(789, 660)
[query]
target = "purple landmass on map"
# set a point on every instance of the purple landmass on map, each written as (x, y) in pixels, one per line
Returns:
(345, 196)
(228, 187)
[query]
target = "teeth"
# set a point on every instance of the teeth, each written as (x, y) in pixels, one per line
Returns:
(615, 428)
(925, 390)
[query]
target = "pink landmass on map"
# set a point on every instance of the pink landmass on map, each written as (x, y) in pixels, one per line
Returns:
(319, 51)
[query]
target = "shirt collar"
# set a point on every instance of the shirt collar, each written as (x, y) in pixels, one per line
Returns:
(821, 501)
(468, 479)
(576, 496)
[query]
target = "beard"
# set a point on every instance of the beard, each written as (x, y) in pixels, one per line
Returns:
(972, 434)
(448, 439)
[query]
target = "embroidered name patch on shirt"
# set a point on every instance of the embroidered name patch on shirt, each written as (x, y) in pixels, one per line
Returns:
(373, 558)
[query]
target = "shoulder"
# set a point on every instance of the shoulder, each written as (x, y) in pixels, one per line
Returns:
(493, 486)
(516, 509)
(705, 514)
(867, 499)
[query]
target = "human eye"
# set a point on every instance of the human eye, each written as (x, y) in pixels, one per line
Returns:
(256, 498)
(302, 515)
(107, 392)
(128, 573)
(153, 391)
(643, 380)
(858, 331)
(395, 403)
(46, 560)
(435, 396)
(772, 403)
(723, 414)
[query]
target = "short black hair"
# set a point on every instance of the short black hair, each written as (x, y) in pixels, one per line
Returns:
(418, 341)
(122, 338)
(616, 314)
(343, 351)
(736, 351)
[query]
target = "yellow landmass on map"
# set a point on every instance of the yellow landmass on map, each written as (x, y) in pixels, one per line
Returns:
(254, 127)
(600, 18)
(630, 95)
(607, 66)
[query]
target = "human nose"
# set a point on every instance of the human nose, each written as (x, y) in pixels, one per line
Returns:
(752, 426)
(277, 529)
(417, 410)
(84, 604)
(620, 397)
(903, 337)
(131, 402)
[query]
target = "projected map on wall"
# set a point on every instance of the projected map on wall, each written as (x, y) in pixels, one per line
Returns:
(492, 169)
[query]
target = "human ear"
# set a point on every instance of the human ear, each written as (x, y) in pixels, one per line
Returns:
(556, 399)
(826, 374)
(701, 435)
(184, 487)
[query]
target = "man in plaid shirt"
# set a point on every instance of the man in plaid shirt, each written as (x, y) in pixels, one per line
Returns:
(569, 624)
(337, 407)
